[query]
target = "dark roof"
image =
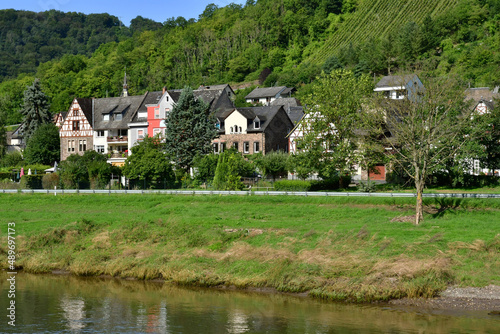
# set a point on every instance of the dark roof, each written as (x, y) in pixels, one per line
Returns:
(394, 81)
(286, 102)
(86, 105)
(265, 92)
(295, 114)
(214, 87)
(126, 105)
(288, 91)
(265, 115)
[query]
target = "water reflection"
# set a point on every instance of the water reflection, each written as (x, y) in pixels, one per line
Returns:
(62, 304)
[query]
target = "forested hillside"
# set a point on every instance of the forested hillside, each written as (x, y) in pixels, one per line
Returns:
(28, 39)
(286, 42)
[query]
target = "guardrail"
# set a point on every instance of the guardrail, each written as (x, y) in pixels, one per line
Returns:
(240, 193)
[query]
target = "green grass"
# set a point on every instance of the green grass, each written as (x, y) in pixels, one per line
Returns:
(336, 248)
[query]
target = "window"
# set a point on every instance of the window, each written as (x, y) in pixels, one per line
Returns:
(75, 112)
(256, 147)
(100, 133)
(256, 123)
(157, 113)
(235, 146)
(122, 132)
(231, 129)
(71, 146)
(236, 129)
(83, 145)
(217, 125)
(167, 98)
(100, 148)
(76, 125)
(106, 117)
(156, 132)
(222, 147)
(140, 134)
(255, 100)
(118, 117)
(239, 129)
(246, 147)
(215, 147)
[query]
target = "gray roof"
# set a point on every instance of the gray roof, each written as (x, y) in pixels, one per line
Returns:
(394, 81)
(295, 114)
(265, 115)
(127, 106)
(86, 105)
(265, 92)
(482, 94)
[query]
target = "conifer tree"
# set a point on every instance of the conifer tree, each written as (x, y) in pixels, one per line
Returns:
(190, 130)
(35, 109)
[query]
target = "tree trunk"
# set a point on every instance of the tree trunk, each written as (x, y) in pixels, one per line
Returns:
(419, 209)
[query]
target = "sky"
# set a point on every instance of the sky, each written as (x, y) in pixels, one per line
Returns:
(125, 10)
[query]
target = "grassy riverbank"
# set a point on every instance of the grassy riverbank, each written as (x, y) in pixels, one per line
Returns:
(356, 248)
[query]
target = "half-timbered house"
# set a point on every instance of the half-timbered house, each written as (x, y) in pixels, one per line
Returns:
(76, 131)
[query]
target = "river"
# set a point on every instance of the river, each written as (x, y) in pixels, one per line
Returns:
(68, 304)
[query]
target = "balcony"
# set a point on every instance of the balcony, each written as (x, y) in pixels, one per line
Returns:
(117, 139)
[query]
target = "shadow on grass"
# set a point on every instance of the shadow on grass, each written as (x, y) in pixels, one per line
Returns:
(441, 206)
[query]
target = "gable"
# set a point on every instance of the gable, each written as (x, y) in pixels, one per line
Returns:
(76, 123)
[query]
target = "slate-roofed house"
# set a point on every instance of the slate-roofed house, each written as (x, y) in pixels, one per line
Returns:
(398, 87)
(112, 117)
(292, 107)
(76, 133)
(266, 95)
(483, 97)
(253, 130)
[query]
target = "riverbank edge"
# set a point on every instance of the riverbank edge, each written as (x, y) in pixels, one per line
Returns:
(453, 298)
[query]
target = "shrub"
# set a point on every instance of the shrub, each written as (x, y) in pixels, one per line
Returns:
(31, 181)
(292, 185)
(49, 181)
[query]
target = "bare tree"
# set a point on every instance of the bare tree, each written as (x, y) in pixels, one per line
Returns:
(429, 125)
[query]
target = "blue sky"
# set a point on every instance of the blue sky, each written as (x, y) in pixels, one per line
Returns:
(125, 10)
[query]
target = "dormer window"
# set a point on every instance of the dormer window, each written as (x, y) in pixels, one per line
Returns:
(106, 117)
(217, 124)
(118, 116)
(256, 123)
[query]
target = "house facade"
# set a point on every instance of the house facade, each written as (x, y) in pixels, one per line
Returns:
(397, 87)
(76, 131)
(267, 95)
(253, 130)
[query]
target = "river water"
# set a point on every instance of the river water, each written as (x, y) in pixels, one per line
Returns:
(67, 304)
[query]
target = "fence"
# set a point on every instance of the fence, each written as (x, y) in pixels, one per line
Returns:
(239, 193)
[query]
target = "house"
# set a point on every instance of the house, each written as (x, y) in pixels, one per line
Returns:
(292, 107)
(76, 131)
(253, 130)
(112, 117)
(398, 87)
(483, 103)
(15, 140)
(267, 95)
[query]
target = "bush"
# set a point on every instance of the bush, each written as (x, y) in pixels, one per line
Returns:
(31, 181)
(49, 181)
(292, 185)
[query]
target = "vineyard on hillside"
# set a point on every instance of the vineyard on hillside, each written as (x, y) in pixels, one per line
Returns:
(375, 18)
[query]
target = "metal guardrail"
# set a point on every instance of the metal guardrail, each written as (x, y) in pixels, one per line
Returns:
(241, 193)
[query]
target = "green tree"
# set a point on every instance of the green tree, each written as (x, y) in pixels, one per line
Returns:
(3, 132)
(83, 171)
(35, 109)
(334, 113)
(428, 130)
(229, 171)
(190, 130)
(148, 163)
(273, 164)
(43, 147)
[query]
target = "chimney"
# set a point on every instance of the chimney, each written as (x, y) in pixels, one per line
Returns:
(164, 89)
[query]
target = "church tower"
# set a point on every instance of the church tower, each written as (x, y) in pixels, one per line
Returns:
(125, 86)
